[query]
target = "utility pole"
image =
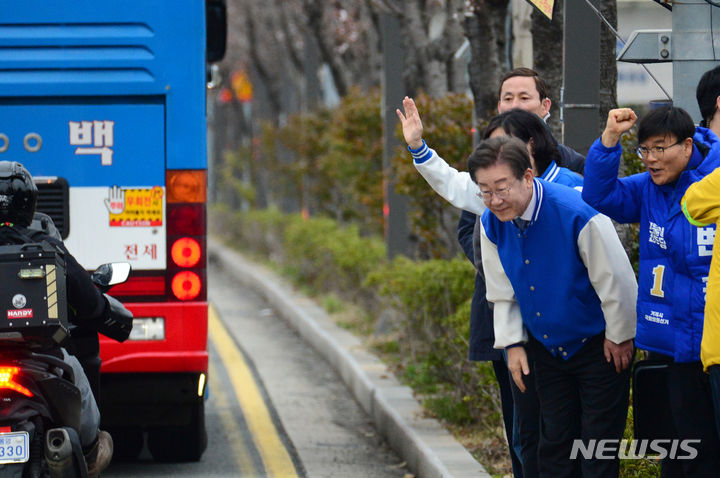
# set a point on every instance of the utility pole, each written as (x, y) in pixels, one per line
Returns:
(395, 208)
(580, 93)
(310, 100)
(693, 47)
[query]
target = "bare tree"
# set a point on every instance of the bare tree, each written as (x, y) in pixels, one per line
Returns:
(484, 26)
(269, 46)
(433, 33)
(608, 65)
(547, 57)
(269, 37)
(346, 33)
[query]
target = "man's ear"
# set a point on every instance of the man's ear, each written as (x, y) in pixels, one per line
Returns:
(528, 177)
(546, 104)
(687, 146)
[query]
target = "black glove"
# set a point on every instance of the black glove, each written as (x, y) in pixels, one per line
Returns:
(118, 321)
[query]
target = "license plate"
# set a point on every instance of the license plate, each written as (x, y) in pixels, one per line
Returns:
(14, 447)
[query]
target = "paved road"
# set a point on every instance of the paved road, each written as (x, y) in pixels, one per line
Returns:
(275, 408)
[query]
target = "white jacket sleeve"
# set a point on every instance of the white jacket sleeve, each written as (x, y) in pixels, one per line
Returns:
(611, 275)
(507, 320)
(456, 187)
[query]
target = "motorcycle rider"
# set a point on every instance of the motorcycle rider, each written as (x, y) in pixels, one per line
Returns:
(87, 307)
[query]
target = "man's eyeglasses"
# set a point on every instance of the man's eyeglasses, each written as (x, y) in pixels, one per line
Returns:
(501, 193)
(657, 151)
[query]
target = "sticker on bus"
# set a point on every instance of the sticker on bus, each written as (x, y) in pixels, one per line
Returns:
(135, 207)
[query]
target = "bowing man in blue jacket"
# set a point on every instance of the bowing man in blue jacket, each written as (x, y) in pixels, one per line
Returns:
(564, 293)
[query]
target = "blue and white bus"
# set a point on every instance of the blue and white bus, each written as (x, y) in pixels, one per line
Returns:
(104, 102)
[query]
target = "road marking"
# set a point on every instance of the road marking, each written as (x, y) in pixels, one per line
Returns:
(275, 456)
(233, 433)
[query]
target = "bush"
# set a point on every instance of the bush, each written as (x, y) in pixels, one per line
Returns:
(317, 252)
(258, 232)
(353, 158)
(434, 298)
(329, 257)
(330, 162)
(426, 293)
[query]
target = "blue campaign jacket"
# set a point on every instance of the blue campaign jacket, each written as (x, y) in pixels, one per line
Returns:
(482, 336)
(560, 175)
(674, 255)
(562, 309)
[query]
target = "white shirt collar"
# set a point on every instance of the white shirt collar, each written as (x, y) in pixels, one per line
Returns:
(528, 214)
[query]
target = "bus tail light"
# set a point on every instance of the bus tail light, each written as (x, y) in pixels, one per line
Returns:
(186, 234)
(185, 252)
(186, 186)
(186, 219)
(186, 285)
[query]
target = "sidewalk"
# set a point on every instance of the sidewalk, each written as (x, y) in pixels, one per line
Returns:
(429, 450)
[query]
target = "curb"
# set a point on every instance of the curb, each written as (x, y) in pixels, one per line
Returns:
(428, 449)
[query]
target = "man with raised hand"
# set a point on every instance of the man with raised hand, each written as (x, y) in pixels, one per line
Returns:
(520, 89)
(524, 89)
(674, 258)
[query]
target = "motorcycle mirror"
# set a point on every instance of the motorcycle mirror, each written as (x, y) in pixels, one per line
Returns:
(111, 274)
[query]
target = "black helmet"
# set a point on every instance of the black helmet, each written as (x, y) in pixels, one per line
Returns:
(18, 194)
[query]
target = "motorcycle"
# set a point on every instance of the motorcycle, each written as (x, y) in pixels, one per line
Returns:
(40, 406)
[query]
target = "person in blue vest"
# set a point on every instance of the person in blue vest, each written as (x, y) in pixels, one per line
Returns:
(674, 257)
(564, 294)
(520, 410)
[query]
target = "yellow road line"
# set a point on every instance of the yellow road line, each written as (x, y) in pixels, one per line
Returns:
(274, 455)
(240, 452)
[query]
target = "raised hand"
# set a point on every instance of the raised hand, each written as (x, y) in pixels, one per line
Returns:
(411, 124)
(619, 121)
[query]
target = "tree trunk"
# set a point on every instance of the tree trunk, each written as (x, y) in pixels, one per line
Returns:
(608, 65)
(547, 58)
(314, 11)
(484, 27)
(432, 36)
